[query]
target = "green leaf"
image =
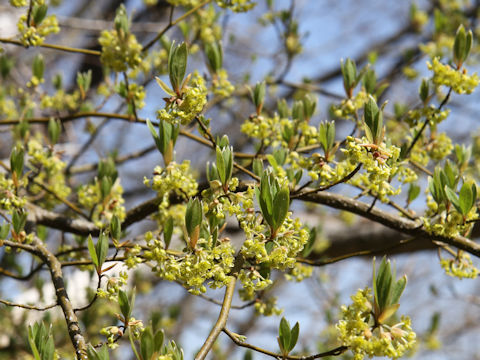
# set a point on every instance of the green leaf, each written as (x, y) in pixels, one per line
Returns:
(312, 236)
(387, 312)
(397, 289)
(221, 166)
(264, 197)
(177, 65)
(467, 197)
(39, 12)
(284, 335)
(349, 72)
(424, 90)
(16, 161)
(257, 166)
(124, 304)
(413, 192)
(294, 336)
(19, 219)
(213, 51)
(54, 127)
(147, 346)
(155, 135)
(193, 215)
(31, 341)
(92, 251)
(370, 81)
(453, 198)
(115, 228)
(281, 203)
(309, 106)
(158, 341)
(38, 66)
(373, 121)
(258, 95)
(298, 111)
(460, 46)
(168, 231)
(383, 284)
(165, 87)
(326, 134)
(102, 249)
(283, 110)
(4, 229)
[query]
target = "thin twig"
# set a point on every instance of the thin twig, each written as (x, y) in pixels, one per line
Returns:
(173, 23)
(55, 47)
(221, 321)
(334, 352)
(28, 307)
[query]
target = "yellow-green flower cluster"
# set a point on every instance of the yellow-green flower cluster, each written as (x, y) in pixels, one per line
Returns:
(220, 84)
(175, 178)
(19, 3)
(195, 268)
(461, 266)
(34, 35)
(442, 45)
(155, 61)
(112, 333)
(237, 5)
(270, 130)
(8, 196)
(357, 331)
(267, 307)
(432, 113)
(437, 221)
(114, 284)
(299, 272)
(265, 128)
(61, 101)
(290, 239)
(458, 80)
(89, 196)
(120, 51)
(380, 163)
(50, 174)
(348, 107)
(205, 22)
(8, 110)
(185, 109)
(440, 147)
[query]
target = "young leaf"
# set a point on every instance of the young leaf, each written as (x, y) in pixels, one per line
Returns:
(115, 228)
(413, 192)
(258, 96)
(92, 251)
(453, 198)
(177, 65)
(126, 306)
(54, 128)
(38, 67)
(387, 312)
(383, 284)
(165, 87)
(102, 249)
(281, 204)
(213, 51)
(168, 231)
(294, 336)
(424, 90)
(397, 289)
(284, 335)
(147, 346)
(467, 197)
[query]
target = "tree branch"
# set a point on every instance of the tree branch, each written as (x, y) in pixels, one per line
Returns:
(221, 321)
